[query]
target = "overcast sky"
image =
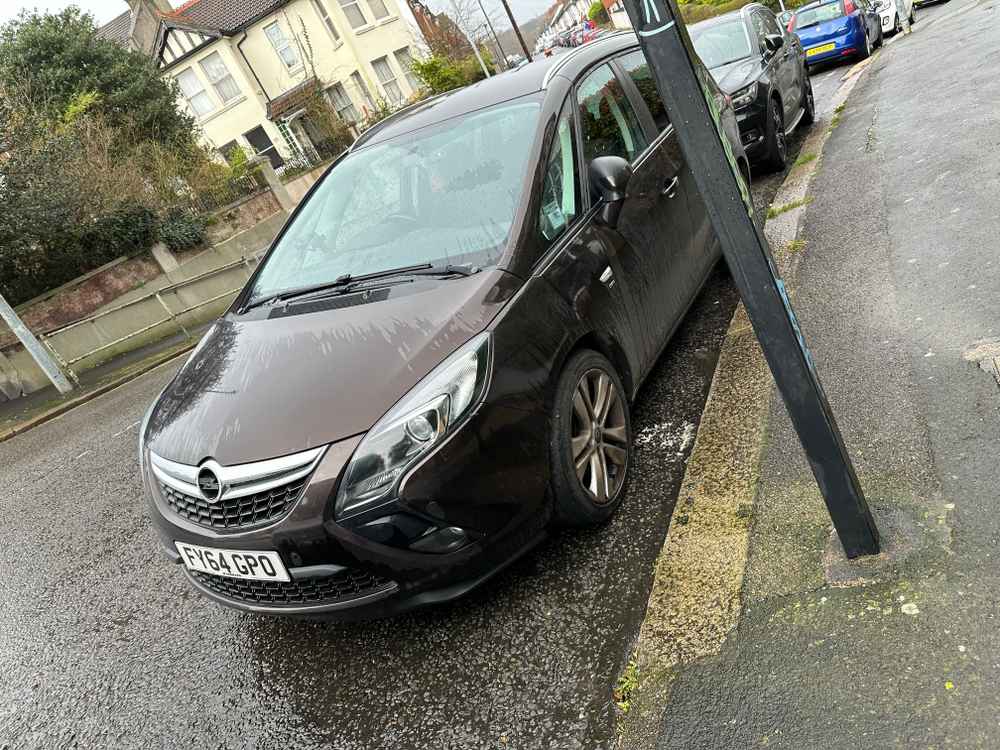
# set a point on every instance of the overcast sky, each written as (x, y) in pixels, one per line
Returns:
(105, 10)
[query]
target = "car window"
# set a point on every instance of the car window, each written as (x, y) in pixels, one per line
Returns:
(607, 120)
(770, 23)
(759, 30)
(818, 14)
(722, 43)
(560, 189)
(446, 193)
(637, 67)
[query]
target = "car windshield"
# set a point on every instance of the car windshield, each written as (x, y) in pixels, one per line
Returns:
(818, 14)
(721, 43)
(441, 195)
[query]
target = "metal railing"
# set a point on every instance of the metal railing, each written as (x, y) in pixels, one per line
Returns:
(171, 316)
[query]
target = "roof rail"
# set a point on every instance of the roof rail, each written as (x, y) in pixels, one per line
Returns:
(563, 59)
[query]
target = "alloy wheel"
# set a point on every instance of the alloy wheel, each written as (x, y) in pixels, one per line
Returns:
(599, 436)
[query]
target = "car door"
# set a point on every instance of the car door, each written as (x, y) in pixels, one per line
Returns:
(776, 63)
(653, 232)
(693, 231)
(787, 63)
(574, 257)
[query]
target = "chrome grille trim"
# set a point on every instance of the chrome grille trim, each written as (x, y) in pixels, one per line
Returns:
(239, 480)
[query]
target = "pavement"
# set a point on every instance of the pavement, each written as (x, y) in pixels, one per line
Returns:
(896, 291)
(104, 644)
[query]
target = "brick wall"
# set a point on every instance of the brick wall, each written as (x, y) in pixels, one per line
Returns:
(78, 299)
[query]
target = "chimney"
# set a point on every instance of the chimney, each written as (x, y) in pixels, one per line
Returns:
(146, 16)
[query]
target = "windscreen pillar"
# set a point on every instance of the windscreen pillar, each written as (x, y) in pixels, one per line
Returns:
(691, 106)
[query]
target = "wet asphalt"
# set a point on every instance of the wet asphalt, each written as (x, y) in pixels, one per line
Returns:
(104, 645)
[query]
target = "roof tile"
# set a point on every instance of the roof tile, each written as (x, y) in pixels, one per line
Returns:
(226, 15)
(117, 29)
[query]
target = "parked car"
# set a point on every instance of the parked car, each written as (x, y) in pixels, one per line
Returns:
(762, 67)
(435, 360)
(889, 15)
(837, 29)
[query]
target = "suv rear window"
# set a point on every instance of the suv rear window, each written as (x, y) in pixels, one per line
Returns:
(818, 14)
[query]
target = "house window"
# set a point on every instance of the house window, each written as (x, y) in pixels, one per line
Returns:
(228, 151)
(362, 89)
(194, 92)
(218, 75)
(342, 103)
(388, 80)
(378, 9)
(355, 16)
(285, 49)
(405, 60)
(324, 15)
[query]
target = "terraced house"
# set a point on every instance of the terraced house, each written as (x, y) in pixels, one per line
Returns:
(245, 67)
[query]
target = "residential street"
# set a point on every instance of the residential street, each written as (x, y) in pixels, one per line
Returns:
(132, 657)
(103, 643)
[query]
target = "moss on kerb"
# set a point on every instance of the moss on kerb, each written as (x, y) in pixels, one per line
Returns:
(697, 578)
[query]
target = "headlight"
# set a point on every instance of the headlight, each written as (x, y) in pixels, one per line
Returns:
(420, 420)
(745, 96)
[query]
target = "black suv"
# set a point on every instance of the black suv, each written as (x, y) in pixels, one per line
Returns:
(763, 68)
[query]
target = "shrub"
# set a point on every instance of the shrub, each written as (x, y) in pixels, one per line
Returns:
(441, 73)
(598, 13)
(182, 230)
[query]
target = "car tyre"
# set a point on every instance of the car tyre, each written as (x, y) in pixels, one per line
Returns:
(809, 102)
(898, 26)
(777, 144)
(866, 51)
(591, 442)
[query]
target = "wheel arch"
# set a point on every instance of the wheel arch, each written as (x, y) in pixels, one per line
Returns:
(606, 345)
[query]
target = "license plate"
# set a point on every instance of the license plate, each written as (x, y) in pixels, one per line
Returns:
(820, 50)
(232, 563)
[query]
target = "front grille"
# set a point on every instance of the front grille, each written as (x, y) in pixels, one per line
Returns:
(341, 587)
(236, 512)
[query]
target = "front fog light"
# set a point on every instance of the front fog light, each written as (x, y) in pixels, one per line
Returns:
(435, 407)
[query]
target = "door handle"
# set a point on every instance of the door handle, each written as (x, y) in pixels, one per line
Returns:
(670, 189)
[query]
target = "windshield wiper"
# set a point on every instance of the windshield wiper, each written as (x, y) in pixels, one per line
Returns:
(348, 282)
(448, 270)
(341, 282)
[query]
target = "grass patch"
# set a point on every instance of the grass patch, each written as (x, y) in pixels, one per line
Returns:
(627, 684)
(773, 211)
(837, 113)
(805, 159)
(795, 246)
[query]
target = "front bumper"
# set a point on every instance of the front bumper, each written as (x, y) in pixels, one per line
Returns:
(753, 133)
(455, 524)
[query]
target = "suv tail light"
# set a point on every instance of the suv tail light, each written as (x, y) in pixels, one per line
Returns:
(791, 24)
(849, 7)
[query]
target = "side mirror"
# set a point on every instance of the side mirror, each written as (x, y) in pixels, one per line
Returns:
(609, 177)
(774, 42)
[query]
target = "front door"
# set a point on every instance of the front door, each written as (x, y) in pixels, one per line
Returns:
(653, 231)
(261, 143)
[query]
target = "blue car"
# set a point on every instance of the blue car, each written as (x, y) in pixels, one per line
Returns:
(837, 29)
